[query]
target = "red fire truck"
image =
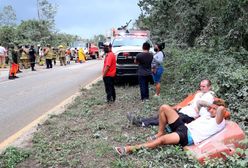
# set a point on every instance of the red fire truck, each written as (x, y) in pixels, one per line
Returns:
(91, 50)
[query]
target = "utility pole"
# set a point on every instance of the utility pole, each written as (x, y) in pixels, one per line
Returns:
(38, 10)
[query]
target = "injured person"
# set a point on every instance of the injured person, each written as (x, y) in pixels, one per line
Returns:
(183, 134)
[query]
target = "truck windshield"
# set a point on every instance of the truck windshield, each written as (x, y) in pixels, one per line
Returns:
(130, 41)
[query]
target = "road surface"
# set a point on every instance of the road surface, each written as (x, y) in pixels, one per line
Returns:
(24, 99)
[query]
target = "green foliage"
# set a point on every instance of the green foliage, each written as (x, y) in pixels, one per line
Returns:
(210, 23)
(227, 70)
(33, 31)
(7, 35)
(12, 156)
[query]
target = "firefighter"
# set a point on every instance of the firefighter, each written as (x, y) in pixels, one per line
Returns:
(62, 54)
(13, 56)
(55, 55)
(49, 56)
(19, 53)
(81, 55)
(25, 58)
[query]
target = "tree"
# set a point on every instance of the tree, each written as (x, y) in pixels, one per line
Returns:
(46, 12)
(7, 16)
(7, 35)
(98, 38)
(209, 23)
(33, 32)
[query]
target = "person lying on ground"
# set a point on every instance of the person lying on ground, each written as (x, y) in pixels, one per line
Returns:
(183, 134)
(187, 113)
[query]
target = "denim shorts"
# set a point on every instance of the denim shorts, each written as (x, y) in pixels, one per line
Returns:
(157, 76)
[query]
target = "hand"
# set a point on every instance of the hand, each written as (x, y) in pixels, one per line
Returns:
(154, 70)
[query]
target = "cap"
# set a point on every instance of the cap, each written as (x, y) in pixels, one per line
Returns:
(106, 43)
(60, 46)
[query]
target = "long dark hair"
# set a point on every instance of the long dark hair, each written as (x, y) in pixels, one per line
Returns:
(161, 46)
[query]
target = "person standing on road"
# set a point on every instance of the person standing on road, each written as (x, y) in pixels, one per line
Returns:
(62, 54)
(109, 72)
(157, 67)
(81, 55)
(144, 61)
(13, 56)
(3, 55)
(25, 57)
(49, 56)
(19, 54)
(32, 56)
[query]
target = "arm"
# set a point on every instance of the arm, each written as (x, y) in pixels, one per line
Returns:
(105, 70)
(220, 114)
(200, 104)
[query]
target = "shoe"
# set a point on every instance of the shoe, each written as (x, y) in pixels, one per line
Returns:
(133, 119)
(11, 77)
(33, 69)
(19, 71)
(155, 96)
(121, 150)
(15, 76)
(151, 138)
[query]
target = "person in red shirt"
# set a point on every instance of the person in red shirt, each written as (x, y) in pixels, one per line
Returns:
(109, 72)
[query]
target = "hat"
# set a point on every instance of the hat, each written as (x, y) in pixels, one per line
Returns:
(60, 46)
(106, 43)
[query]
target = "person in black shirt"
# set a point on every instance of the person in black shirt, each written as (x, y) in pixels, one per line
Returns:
(144, 61)
(32, 57)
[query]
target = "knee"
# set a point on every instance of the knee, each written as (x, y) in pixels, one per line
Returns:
(164, 108)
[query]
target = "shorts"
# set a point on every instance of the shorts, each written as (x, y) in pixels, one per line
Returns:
(157, 76)
(179, 127)
(185, 118)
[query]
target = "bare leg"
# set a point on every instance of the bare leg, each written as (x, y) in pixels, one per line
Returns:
(157, 89)
(167, 115)
(167, 139)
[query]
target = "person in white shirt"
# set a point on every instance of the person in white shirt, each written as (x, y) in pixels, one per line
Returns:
(3, 55)
(184, 134)
(157, 67)
(187, 113)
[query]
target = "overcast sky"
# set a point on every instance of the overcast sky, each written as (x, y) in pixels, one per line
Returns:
(81, 17)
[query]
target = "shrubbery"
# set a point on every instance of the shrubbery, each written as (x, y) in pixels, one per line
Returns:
(228, 71)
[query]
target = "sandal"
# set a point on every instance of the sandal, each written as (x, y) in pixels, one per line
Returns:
(121, 150)
(151, 138)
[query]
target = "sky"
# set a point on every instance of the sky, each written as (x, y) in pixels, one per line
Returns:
(84, 18)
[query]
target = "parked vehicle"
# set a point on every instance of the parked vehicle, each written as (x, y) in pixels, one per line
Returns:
(126, 44)
(91, 50)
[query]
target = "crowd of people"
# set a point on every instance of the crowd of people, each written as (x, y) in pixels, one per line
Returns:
(150, 70)
(19, 57)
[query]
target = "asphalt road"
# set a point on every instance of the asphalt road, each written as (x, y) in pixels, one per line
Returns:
(24, 99)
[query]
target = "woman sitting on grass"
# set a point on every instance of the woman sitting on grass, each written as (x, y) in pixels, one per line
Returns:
(183, 134)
